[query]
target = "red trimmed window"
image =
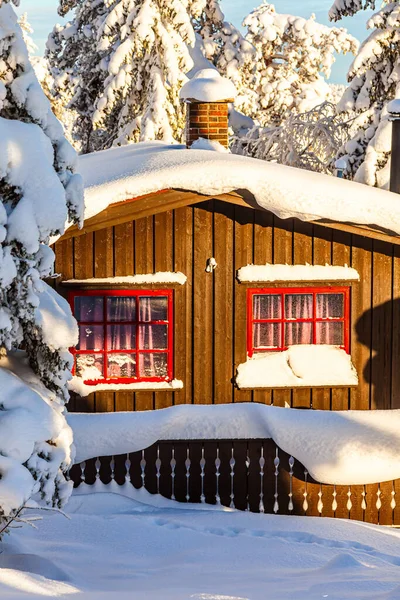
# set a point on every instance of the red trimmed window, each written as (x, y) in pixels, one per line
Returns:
(124, 335)
(279, 318)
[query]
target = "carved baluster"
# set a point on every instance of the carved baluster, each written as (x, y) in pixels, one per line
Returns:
(187, 465)
(291, 465)
(363, 501)
(97, 466)
(349, 504)
(128, 469)
(276, 465)
(158, 467)
(112, 467)
(320, 505)
(247, 475)
(378, 499)
(262, 464)
(143, 469)
(232, 463)
(393, 500)
(173, 467)
(217, 474)
(83, 467)
(202, 467)
(305, 494)
(334, 501)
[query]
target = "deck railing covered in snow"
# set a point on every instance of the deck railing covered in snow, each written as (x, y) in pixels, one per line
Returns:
(252, 475)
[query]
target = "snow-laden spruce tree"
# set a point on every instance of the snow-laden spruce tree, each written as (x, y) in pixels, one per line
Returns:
(120, 66)
(293, 55)
(39, 191)
(374, 80)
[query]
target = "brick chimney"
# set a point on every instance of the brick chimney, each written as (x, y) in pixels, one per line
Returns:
(207, 96)
(394, 116)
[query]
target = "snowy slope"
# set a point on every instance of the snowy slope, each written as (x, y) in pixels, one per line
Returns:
(123, 173)
(113, 547)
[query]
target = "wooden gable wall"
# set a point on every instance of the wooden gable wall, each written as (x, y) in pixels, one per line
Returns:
(210, 309)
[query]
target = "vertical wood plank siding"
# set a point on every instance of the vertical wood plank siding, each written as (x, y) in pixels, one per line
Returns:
(210, 309)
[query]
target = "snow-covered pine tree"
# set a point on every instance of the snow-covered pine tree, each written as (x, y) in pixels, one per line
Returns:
(374, 80)
(120, 66)
(39, 190)
(293, 55)
(226, 48)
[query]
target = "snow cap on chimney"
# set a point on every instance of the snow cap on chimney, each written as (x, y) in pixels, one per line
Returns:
(394, 109)
(207, 96)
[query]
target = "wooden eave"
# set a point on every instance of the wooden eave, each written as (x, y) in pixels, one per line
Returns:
(163, 200)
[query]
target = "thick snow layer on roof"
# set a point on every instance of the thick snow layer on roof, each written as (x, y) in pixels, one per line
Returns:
(207, 85)
(347, 447)
(298, 366)
(269, 273)
(127, 172)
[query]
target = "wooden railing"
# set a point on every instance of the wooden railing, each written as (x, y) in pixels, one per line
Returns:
(250, 475)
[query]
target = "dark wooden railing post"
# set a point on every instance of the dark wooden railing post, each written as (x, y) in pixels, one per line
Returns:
(394, 116)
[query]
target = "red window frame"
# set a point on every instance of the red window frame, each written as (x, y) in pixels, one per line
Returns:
(297, 290)
(105, 351)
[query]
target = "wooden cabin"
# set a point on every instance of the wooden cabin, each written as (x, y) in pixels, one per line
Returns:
(186, 325)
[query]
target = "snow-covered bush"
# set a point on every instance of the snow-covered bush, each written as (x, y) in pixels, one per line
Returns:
(373, 82)
(39, 191)
(308, 140)
(292, 57)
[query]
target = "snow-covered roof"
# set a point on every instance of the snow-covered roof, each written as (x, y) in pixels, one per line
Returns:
(131, 171)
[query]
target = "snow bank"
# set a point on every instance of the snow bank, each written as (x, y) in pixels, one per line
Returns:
(158, 277)
(131, 171)
(34, 436)
(343, 448)
(298, 366)
(305, 272)
(77, 385)
(204, 144)
(207, 85)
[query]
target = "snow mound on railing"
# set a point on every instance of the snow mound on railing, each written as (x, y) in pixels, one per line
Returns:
(343, 448)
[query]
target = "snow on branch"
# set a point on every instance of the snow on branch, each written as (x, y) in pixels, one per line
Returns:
(343, 448)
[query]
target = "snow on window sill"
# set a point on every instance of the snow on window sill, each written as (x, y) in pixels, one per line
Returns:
(161, 277)
(305, 273)
(78, 386)
(298, 366)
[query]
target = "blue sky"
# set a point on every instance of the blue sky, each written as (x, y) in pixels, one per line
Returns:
(42, 15)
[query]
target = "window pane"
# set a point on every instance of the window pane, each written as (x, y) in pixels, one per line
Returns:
(153, 337)
(121, 337)
(267, 335)
(298, 333)
(153, 365)
(266, 306)
(153, 308)
(91, 337)
(121, 365)
(330, 333)
(89, 366)
(330, 306)
(88, 308)
(121, 308)
(298, 306)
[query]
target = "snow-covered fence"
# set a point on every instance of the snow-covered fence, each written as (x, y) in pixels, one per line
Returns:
(253, 475)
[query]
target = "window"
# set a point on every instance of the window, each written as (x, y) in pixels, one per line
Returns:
(124, 336)
(278, 318)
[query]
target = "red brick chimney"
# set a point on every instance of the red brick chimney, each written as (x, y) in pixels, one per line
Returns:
(207, 96)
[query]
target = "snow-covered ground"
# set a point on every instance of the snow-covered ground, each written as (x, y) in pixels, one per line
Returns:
(151, 548)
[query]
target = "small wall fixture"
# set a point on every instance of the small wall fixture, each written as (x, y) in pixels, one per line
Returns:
(211, 265)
